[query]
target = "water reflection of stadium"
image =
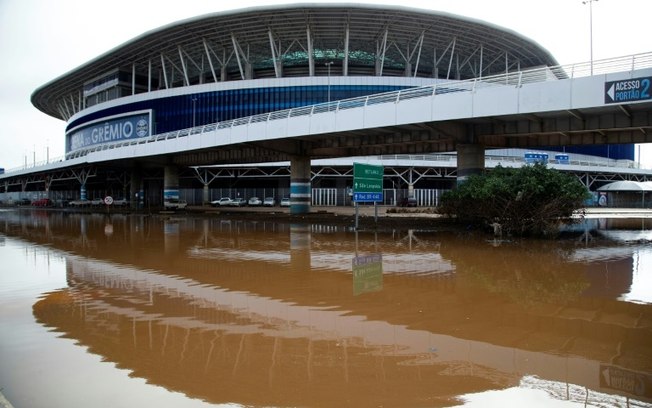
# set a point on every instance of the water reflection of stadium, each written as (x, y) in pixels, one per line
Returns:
(206, 307)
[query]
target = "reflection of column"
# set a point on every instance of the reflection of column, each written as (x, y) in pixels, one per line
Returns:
(470, 160)
(171, 237)
(300, 247)
(300, 185)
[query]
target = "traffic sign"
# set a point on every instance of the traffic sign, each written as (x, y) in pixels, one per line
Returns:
(367, 182)
(108, 200)
(628, 90)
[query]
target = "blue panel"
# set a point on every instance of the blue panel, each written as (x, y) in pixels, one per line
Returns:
(179, 112)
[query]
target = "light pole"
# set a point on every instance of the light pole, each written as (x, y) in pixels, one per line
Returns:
(328, 64)
(590, 3)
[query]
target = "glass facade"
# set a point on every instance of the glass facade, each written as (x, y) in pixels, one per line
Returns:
(180, 112)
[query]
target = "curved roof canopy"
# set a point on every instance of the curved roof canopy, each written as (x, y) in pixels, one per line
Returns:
(298, 40)
(627, 185)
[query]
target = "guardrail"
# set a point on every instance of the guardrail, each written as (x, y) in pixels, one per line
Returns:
(516, 79)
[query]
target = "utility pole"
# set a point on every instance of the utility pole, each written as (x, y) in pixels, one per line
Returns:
(590, 3)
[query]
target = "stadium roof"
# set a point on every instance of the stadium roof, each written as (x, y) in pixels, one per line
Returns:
(297, 40)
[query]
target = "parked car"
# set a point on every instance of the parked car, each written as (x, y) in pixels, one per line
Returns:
(79, 203)
(285, 202)
(174, 204)
(43, 202)
(224, 201)
(96, 202)
(255, 201)
(23, 201)
(238, 202)
(408, 202)
(269, 202)
(121, 202)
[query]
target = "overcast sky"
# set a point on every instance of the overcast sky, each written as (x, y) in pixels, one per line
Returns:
(41, 40)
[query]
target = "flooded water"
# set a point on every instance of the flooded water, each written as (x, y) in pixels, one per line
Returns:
(131, 310)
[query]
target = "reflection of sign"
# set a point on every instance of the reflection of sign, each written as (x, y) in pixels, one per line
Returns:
(630, 382)
(109, 130)
(627, 90)
(367, 273)
(367, 182)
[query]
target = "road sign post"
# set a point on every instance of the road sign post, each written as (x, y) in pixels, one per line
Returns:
(367, 186)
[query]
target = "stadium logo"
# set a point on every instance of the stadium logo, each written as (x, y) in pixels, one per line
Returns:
(142, 128)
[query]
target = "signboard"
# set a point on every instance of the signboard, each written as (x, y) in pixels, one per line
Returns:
(109, 130)
(627, 381)
(108, 200)
(628, 90)
(367, 182)
(367, 273)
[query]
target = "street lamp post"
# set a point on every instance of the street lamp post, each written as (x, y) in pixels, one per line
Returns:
(590, 3)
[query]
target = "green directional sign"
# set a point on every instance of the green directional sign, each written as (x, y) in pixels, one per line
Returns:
(367, 182)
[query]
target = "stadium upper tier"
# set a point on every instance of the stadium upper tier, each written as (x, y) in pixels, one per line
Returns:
(305, 40)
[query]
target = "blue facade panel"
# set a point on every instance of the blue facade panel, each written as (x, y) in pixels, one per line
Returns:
(180, 112)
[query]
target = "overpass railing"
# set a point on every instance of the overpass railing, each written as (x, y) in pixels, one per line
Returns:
(440, 87)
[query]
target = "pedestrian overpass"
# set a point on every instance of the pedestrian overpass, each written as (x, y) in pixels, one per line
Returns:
(602, 102)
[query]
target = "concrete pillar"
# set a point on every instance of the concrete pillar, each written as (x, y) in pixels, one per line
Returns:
(470, 160)
(206, 198)
(300, 185)
(170, 183)
(82, 192)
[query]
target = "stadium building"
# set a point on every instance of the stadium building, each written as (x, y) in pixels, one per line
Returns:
(229, 65)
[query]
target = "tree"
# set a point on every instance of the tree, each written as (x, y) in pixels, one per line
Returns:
(531, 200)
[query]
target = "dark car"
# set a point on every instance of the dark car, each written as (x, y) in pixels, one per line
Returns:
(408, 202)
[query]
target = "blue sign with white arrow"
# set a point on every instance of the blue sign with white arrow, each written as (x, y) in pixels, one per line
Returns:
(628, 90)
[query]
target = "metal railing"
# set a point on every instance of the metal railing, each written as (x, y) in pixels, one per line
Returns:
(516, 79)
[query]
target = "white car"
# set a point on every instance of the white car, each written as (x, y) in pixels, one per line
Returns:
(175, 205)
(254, 201)
(224, 201)
(121, 202)
(285, 202)
(239, 202)
(269, 202)
(79, 203)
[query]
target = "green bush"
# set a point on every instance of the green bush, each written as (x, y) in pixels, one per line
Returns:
(531, 200)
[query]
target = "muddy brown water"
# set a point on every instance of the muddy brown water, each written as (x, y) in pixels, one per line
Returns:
(131, 310)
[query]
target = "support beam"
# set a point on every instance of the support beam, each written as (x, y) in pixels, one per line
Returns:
(311, 59)
(345, 62)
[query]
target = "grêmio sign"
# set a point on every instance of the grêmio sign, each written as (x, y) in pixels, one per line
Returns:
(107, 130)
(628, 90)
